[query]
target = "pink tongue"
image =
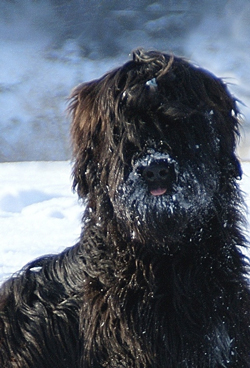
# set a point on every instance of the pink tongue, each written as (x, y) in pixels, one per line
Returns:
(158, 192)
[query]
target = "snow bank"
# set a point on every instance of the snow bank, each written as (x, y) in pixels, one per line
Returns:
(39, 214)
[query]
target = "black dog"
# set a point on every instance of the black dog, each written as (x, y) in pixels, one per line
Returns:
(157, 279)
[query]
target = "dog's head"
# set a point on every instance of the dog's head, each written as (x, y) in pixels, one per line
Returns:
(157, 137)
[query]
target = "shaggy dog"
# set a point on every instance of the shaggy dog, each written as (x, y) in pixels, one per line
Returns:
(157, 278)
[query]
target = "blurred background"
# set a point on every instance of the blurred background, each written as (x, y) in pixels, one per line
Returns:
(49, 46)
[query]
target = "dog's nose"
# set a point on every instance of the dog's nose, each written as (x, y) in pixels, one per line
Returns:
(159, 176)
(155, 173)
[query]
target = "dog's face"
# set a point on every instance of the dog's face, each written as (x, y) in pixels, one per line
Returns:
(156, 137)
(168, 186)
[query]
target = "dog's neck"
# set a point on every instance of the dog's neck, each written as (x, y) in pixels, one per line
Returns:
(106, 243)
(120, 273)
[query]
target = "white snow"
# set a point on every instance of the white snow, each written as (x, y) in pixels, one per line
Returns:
(39, 214)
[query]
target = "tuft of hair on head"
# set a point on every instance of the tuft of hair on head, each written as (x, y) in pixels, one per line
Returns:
(159, 61)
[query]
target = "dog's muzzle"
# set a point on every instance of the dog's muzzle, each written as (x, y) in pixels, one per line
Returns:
(158, 172)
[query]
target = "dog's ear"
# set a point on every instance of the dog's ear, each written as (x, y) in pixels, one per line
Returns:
(84, 127)
(94, 132)
(227, 122)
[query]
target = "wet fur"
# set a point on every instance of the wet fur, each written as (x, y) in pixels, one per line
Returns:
(155, 281)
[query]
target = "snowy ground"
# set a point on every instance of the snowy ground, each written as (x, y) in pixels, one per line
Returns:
(39, 214)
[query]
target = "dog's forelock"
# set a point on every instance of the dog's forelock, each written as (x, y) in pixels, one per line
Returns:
(152, 81)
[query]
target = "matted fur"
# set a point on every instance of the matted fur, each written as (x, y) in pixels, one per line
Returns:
(157, 278)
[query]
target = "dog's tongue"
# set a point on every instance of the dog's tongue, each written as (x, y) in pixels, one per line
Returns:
(158, 191)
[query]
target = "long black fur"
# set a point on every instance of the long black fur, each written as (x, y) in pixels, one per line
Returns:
(158, 278)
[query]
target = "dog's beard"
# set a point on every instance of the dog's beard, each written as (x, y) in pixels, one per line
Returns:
(163, 218)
